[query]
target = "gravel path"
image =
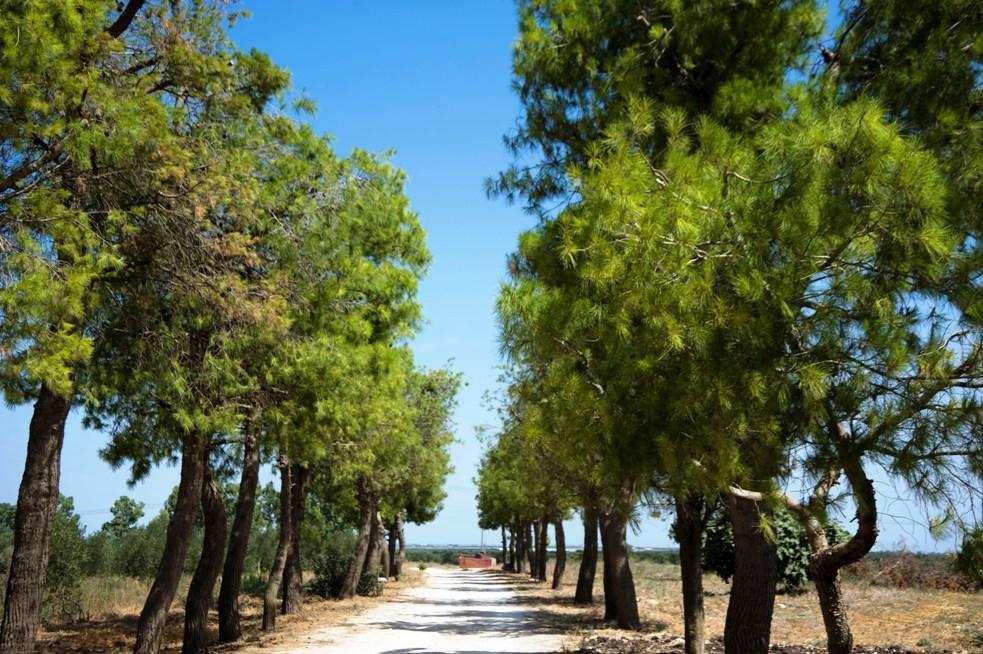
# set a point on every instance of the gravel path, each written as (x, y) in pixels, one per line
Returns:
(456, 611)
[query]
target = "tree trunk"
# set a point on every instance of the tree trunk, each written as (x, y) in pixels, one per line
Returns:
(519, 562)
(542, 555)
(385, 562)
(401, 535)
(229, 628)
(293, 576)
(375, 544)
(622, 584)
(366, 505)
(391, 546)
(531, 549)
(37, 500)
(282, 548)
(505, 549)
(150, 628)
(511, 566)
(209, 564)
(588, 563)
(689, 533)
(752, 593)
(607, 574)
(561, 553)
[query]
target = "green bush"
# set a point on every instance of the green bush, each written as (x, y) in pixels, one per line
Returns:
(969, 559)
(370, 584)
(66, 565)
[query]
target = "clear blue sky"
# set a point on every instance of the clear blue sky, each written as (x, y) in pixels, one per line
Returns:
(432, 80)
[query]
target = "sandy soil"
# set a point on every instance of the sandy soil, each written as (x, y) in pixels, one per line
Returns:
(461, 611)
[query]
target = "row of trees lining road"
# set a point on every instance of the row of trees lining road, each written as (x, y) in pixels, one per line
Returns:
(756, 268)
(188, 263)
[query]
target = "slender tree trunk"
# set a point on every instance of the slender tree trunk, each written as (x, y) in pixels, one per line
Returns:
(401, 536)
(542, 554)
(607, 576)
(385, 562)
(282, 548)
(511, 565)
(293, 575)
(391, 546)
(561, 553)
(229, 628)
(366, 505)
(150, 628)
(588, 563)
(689, 533)
(531, 549)
(622, 582)
(520, 548)
(209, 564)
(752, 593)
(37, 500)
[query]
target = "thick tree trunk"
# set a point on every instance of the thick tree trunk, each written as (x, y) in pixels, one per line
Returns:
(150, 628)
(542, 539)
(588, 563)
(752, 593)
(622, 583)
(293, 576)
(561, 554)
(505, 549)
(209, 564)
(37, 500)
(375, 544)
(282, 548)
(689, 533)
(607, 574)
(229, 628)
(366, 505)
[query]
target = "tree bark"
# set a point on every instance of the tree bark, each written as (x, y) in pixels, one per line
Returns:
(150, 628)
(530, 548)
(209, 564)
(505, 549)
(229, 627)
(372, 553)
(588, 563)
(385, 562)
(542, 556)
(293, 576)
(622, 583)
(752, 595)
(561, 553)
(366, 505)
(689, 532)
(512, 560)
(282, 548)
(607, 574)
(518, 534)
(391, 546)
(401, 535)
(37, 500)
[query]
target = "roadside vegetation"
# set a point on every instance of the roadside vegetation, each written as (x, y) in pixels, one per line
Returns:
(752, 292)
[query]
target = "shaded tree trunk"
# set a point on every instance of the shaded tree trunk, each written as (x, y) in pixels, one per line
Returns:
(150, 628)
(385, 562)
(520, 548)
(607, 574)
(293, 576)
(689, 532)
(372, 554)
(530, 548)
(505, 549)
(209, 564)
(511, 548)
(366, 506)
(588, 562)
(561, 553)
(401, 535)
(229, 627)
(542, 556)
(391, 546)
(752, 594)
(622, 583)
(282, 548)
(37, 500)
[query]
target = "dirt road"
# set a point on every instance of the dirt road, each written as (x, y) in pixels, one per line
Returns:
(460, 611)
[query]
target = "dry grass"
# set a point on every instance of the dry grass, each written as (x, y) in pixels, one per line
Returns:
(879, 616)
(114, 604)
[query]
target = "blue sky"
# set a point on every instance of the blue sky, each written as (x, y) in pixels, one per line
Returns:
(431, 80)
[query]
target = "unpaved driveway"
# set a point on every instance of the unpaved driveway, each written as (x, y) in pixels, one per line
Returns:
(456, 611)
